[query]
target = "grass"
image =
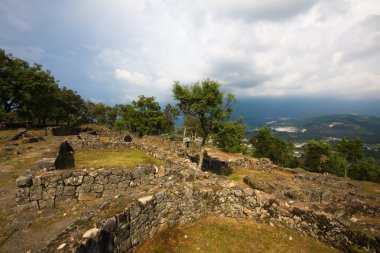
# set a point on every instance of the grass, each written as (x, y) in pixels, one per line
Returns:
(238, 175)
(219, 235)
(16, 167)
(113, 158)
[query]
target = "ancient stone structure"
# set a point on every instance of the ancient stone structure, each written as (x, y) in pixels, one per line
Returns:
(128, 138)
(178, 194)
(55, 188)
(65, 158)
(65, 131)
(186, 195)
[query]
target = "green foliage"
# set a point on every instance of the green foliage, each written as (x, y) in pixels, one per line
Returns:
(31, 93)
(205, 102)
(316, 155)
(336, 165)
(365, 169)
(171, 114)
(352, 150)
(147, 116)
(192, 126)
(268, 145)
(230, 136)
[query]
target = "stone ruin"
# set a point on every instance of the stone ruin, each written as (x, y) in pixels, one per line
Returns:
(65, 158)
(128, 138)
(177, 194)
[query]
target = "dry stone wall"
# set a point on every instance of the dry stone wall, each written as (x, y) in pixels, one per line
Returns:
(55, 188)
(187, 195)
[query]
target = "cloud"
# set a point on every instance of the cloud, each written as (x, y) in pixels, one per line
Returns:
(253, 48)
(260, 10)
(133, 78)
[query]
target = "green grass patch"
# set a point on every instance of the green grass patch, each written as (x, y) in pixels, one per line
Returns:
(12, 168)
(219, 235)
(113, 158)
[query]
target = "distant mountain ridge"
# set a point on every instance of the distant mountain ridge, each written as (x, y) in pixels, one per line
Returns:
(331, 126)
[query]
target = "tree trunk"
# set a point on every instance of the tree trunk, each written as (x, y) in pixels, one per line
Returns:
(201, 157)
(184, 134)
(202, 153)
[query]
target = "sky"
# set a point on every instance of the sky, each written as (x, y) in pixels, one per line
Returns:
(113, 51)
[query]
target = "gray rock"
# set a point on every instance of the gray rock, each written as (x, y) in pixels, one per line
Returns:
(65, 158)
(35, 193)
(47, 163)
(22, 196)
(24, 181)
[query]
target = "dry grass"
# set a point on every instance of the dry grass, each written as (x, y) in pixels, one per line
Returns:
(215, 234)
(113, 158)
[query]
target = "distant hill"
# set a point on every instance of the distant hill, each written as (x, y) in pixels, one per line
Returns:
(328, 126)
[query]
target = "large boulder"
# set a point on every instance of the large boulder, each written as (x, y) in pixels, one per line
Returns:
(64, 131)
(46, 163)
(128, 138)
(65, 158)
(17, 136)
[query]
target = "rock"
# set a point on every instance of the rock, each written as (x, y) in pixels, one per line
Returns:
(160, 171)
(290, 238)
(47, 163)
(87, 196)
(65, 158)
(145, 199)
(24, 181)
(63, 245)
(33, 140)
(128, 138)
(74, 180)
(64, 131)
(94, 232)
(22, 196)
(17, 136)
(353, 219)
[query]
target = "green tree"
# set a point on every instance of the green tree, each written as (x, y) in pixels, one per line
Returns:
(365, 169)
(97, 112)
(171, 114)
(229, 138)
(207, 103)
(270, 146)
(148, 117)
(316, 155)
(336, 165)
(40, 94)
(352, 150)
(11, 85)
(125, 117)
(70, 106)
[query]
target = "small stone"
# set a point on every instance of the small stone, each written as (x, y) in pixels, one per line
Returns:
(91, 233)
(271, 224)
(185, 237)
(61, 246)
(290, 238)
(24, 181)
(145, 199)
(353, 219)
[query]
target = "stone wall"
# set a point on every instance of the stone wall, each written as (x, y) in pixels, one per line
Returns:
(54, 188)
(188, 195)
